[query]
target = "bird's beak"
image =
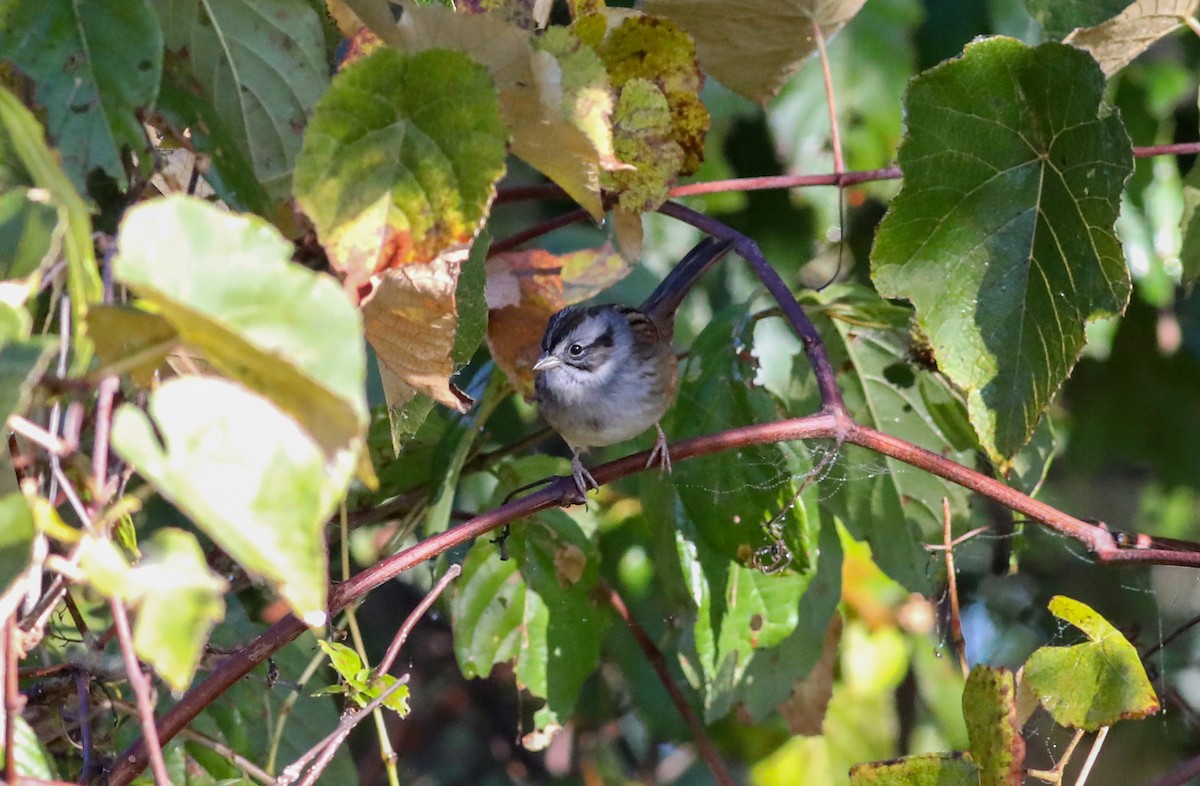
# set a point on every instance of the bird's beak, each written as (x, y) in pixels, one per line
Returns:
(546, 362)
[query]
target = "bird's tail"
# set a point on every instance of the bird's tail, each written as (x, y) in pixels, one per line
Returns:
(663, 301)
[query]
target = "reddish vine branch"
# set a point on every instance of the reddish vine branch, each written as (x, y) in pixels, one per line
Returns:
(833, 422)
(654, 655)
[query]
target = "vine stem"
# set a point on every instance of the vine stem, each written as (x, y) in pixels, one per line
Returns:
(823, 425)
(141, 690)
(659, 663)
(552, 191)
(323, 751)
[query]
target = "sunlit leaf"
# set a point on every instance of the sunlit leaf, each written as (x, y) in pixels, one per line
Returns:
(410, 319)
(96, 65)
(361, 684)
(990, 710)
(554, 94)
(16, 539)
(258, 68)
(25, 160)
(179, 601)
(754, 47)
(1001, 177)
(535, 609)
(246, 473)
(226, 284)
(1093, 684)
(1117, 41)
(400, 160)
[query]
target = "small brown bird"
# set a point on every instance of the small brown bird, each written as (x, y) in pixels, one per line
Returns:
(608, 372)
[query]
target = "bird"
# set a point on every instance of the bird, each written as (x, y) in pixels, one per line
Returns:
(608, 372)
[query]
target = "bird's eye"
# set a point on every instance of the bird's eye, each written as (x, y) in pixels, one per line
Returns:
(575, 350)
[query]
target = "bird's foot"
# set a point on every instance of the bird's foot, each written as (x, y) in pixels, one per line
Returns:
(659, 452)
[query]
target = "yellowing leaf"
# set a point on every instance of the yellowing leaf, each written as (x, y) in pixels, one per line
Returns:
(1117, 41)
(753, 47)
(655, 49)
(554, 95)
(226, 284)
(1092, 684)
(249, 476)
(410, 319)
(642, 130)
(400, 160)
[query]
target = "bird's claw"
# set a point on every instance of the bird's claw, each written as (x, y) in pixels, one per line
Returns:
(659, 452)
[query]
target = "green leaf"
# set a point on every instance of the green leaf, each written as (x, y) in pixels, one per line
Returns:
(926, 769)
(179, 601)
(362, 685)
(1189, 254)
(26, 162)
(32, 760)
(535, 609)
(27, 230)
(246, 473)
(96, 66)
(226, 284)
(183, 103)
(400, 159)
(249, 717)
(1093, 684)
(990, 710)
(1002, 235)
(733, 495)
(22, 363)
(773, 672)
(890, 505)
(257, 65)
(16, 539)
(1060, 17)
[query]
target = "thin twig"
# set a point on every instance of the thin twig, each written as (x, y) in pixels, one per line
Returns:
(1181, 774)
(778, 182)
(956, 636)
(47, 441)
(103, 425)
(327, 748)
(387, 753)
(835, 137)
(251, 769)
(819, 426)
(323, 751)
(537, 230)
(814, 347)
(716, 765)
(141, 690)
(83, 687)
(393, 650)
(1097, 744)
(12, 698)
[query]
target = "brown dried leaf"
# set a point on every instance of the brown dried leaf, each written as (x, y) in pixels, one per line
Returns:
(804, 712)
(410, 319)
(1116, 42)
(525, 288)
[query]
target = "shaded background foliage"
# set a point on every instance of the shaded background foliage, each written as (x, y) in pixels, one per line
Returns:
(1124, 426)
